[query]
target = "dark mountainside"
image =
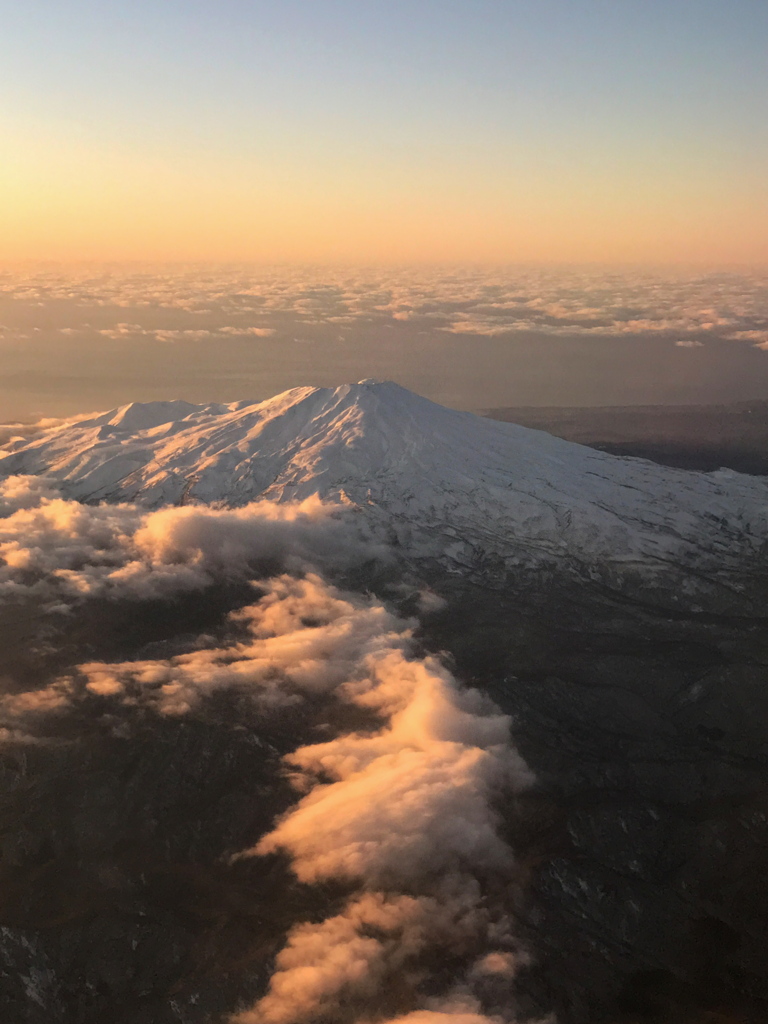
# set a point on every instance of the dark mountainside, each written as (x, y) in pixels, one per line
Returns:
(649, 834)
(701, 437)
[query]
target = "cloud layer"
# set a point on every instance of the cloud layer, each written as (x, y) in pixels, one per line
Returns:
(262, 302)
(474, 338)
(55, 549)
(402, 808)
(407, 813)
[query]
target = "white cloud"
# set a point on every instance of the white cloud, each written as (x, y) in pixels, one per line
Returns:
(55, 549)
(758, 338)
(302, 637)
(257, 332)
(490, 330)
(10, 432)
(404, 811)
(412, 799)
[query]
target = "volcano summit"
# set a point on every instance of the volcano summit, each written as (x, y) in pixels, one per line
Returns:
(481, 497)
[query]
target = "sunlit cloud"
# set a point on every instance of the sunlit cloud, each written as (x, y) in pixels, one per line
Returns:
(758, 338)
(487, 303)
(404, 810)
(56, 550)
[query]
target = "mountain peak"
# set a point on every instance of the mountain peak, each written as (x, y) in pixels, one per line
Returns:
(451, 484)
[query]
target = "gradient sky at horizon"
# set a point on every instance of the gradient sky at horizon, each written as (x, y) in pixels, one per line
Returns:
(339, 131)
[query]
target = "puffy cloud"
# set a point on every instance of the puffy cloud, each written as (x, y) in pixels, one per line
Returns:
(18, 431)
(495, 965)
(24, 492)
(490, 330)
(182, 335)
(347, 955)
(291, 535)
(353, 957)
(302, 637)
(404, 809)
(125, 330)
(244, 332)
(758, 338)
(413, 799)
(408, 809)
(36, 702)
(21, 712)
(53, 548)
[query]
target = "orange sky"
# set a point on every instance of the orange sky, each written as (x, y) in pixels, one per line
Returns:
(590, 135)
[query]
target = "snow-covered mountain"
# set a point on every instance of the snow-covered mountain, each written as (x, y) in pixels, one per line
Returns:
(475, 493)
(613, 608)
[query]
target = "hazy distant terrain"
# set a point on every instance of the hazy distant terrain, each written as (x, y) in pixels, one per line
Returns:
(702, 437)
(89, 338)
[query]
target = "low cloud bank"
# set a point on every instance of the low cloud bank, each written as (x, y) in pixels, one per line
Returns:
(405, 812)
(461, 300)
(22, 430)
(55, 549)
(403, 809)
(301, 638)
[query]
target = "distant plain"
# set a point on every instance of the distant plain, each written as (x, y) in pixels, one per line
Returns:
(698, 437)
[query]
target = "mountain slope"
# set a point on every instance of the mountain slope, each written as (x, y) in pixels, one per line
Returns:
(479, 494)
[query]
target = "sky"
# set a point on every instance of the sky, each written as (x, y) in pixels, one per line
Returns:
(333, 131)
